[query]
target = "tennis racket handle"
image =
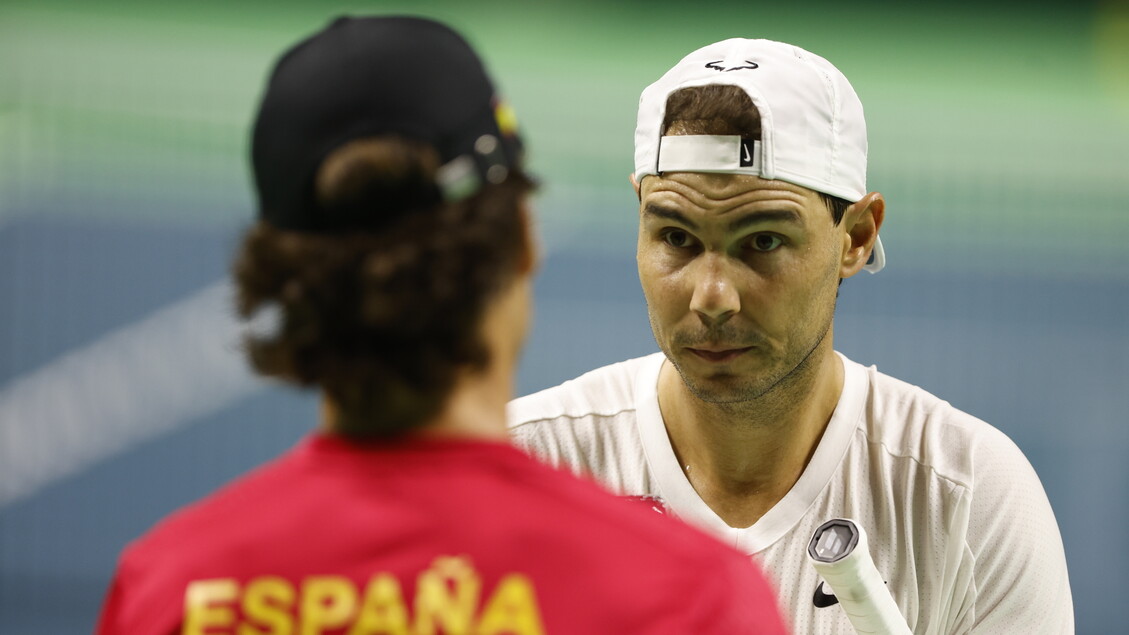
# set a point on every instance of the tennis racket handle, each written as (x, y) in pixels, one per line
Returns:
(857, 584)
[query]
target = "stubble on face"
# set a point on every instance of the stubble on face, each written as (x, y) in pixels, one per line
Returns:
(777, 370)
(785, 314)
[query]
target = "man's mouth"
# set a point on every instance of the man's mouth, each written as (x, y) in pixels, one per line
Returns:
(718, 354)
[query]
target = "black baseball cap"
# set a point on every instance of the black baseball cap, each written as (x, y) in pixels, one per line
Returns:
(368, 76)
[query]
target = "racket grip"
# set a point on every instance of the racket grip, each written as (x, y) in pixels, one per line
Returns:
(840, 554)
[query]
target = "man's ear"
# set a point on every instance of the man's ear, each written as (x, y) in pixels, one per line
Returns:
(861, 223)
(635, 184)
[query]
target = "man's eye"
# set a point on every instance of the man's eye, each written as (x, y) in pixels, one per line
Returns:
(676, 238)
(766, 242)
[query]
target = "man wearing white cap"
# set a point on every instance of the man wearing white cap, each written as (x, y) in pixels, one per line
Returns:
(750, 166)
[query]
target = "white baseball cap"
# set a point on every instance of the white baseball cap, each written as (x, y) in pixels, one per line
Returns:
(813, 132)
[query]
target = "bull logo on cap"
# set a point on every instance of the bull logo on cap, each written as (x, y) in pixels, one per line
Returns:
(719, 66)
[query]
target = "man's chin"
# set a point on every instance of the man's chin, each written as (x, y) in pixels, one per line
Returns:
(719, 395)
(717, 385)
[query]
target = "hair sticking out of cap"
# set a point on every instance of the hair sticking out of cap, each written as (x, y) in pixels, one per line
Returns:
(368, 182)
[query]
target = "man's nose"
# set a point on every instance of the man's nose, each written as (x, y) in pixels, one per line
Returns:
(715, 296)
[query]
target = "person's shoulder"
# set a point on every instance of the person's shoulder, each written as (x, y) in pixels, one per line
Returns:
(186, 536)
(603, 392)
(993, 508)
(908, 420)
(894, 399)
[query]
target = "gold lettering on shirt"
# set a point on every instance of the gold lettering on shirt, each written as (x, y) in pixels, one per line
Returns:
(449, 599)
(267, 604)
(328, 603)
(383, 611)
(446, 597)
(512, 609)
(207, 605)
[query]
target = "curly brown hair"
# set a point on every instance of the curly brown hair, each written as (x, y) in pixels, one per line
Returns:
(724, 109)
(382, 317)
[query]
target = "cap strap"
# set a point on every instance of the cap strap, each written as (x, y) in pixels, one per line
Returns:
(709, 153)
(458, 178)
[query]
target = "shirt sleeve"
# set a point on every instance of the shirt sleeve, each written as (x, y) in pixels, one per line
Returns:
(1019, 582)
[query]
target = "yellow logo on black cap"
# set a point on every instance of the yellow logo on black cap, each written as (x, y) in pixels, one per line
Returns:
(506, 118)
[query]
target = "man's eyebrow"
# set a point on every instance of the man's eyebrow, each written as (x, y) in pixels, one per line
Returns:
(669, 214)
(767, 216)
(737, 224)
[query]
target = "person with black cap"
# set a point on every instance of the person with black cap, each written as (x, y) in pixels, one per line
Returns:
(392, 258)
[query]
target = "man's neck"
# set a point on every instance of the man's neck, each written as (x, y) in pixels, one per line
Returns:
(475, 408)
(743, 458)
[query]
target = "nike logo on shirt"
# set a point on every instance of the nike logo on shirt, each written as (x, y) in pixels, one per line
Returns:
(823, 599)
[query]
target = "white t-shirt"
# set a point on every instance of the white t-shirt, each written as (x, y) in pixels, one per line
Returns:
(957, 521)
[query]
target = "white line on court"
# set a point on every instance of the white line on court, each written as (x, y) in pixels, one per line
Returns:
(173, 366)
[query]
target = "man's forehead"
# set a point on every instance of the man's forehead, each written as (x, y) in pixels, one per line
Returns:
(720, 188)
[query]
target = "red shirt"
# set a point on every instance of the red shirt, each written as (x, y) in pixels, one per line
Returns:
(414, 537)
